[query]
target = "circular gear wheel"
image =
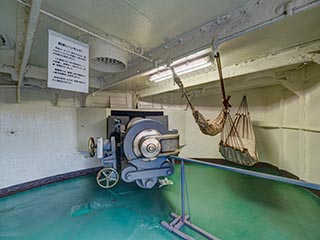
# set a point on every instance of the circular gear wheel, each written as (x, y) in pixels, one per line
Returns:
(147, 183)
(91, 147)
(107, 177)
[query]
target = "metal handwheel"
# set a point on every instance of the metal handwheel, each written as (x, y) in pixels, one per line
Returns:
(92, 147)
(107, 177)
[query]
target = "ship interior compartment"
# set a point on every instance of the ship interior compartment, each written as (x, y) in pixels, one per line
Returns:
(144, 119)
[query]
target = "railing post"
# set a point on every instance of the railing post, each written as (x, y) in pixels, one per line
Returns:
(182, 190)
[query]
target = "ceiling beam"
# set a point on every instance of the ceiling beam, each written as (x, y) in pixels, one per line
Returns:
(40, 73)
(34, 15)
(250, 16)
(302, 54)
(235, 85)
(10, 70)
(316, 58)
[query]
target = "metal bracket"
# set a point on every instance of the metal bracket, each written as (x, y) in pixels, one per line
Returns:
(179, 221)
(148, 173)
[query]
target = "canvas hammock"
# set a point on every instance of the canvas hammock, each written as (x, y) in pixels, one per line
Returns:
(238, 143)
(237, 139)
(207, 126)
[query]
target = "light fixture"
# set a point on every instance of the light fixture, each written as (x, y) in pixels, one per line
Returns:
(185, 67)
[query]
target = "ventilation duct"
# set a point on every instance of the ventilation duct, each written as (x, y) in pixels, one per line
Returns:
(106, 57)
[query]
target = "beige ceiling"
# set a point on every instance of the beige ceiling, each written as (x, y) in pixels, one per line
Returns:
(144, 23)
(285, 34)
(147, 24)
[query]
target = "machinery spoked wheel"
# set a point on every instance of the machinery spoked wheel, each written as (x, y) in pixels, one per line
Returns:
(107, 177)
(91, 147)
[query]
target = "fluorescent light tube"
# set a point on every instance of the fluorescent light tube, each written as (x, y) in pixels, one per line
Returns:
(187, 67)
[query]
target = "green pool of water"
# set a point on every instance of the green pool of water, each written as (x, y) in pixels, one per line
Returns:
(228, 205)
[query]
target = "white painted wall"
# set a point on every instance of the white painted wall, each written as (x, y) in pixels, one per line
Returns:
(198, 144)
(203, 146)
(91, 122)
(113, 99)
(285, 118)
(37, 139)
(288, 137)
(176, 120)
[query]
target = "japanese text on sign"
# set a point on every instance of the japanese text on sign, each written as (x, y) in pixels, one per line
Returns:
(68, 63)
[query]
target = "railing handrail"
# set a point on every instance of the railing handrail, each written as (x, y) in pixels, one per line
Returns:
(251, 173)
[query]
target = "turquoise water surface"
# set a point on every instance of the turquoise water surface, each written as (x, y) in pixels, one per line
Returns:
(228, 205)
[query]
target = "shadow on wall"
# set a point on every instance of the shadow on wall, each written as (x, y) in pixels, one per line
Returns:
(267, 143)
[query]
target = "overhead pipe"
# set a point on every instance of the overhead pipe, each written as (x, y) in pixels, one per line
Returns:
(88, 32)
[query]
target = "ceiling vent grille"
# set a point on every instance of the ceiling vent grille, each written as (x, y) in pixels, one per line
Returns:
(106, 57)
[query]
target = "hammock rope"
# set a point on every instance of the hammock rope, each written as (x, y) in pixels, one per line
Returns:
(207, 126)
(237, 143)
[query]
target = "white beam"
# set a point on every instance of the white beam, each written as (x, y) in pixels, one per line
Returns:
(36, 72)
(29, 36)
(316, 57)
(234, 85)
(10, 70)
(295, 82)
(41, 73)
(280, 59)
(250, 16)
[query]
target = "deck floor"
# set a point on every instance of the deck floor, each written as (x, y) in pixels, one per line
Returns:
(228, 205)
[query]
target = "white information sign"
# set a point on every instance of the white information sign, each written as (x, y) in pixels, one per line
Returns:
(68, 63)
